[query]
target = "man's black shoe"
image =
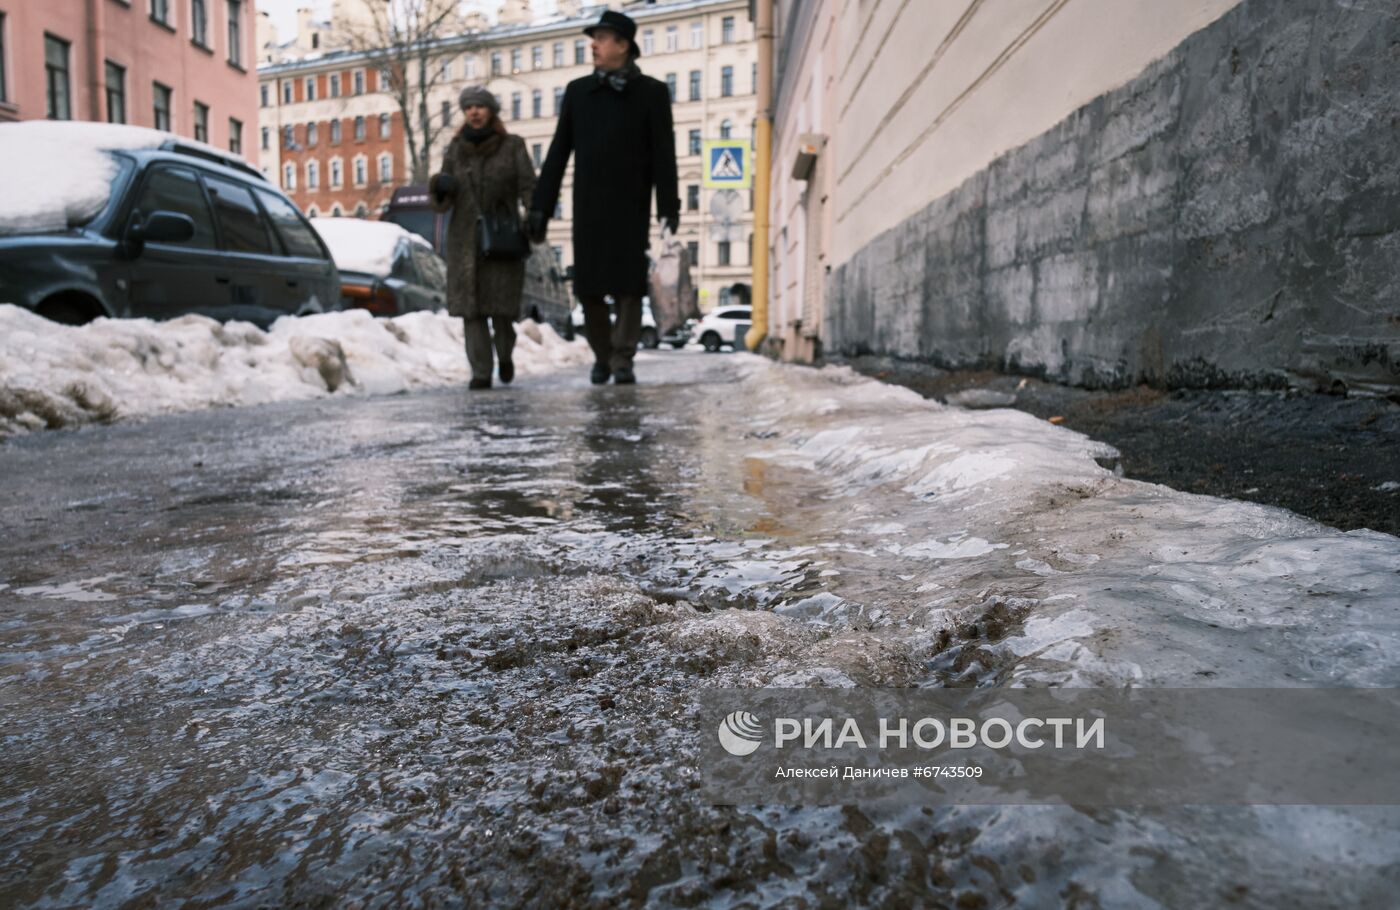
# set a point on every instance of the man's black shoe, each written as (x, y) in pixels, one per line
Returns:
(479, 384)
(600, 374)
(507, 371)
(624, 376)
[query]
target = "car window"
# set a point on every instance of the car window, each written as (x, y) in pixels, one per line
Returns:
(240, 223)
(170, 189)
(430, 267)
(403, 265)
(735, 314)
(297, 236)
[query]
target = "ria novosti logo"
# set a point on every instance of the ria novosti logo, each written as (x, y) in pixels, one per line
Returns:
(740, 733)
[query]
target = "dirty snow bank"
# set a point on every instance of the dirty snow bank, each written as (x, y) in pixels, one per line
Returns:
(53, 375)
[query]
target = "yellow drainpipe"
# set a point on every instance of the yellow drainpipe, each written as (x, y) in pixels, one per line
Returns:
(762, 168)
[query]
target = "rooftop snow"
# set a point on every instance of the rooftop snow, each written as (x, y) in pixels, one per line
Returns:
(363, 246)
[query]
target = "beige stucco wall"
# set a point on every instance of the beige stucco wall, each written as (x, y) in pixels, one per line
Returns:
(930, 91)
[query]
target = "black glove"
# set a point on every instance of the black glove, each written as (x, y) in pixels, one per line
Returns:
(538, 223)
(443, 186)
(671, 222)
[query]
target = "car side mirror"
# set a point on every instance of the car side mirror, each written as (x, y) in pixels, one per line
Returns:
(166, 227)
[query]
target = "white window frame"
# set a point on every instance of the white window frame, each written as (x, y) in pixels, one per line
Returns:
(289, 177)
(336, 167)
(359, 170)
(313, 176)
(386, 168)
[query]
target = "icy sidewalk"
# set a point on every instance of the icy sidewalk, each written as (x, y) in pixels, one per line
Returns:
(53, 375)
(998, 544)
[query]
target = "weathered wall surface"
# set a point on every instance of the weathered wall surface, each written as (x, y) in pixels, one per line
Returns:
(1231, 216)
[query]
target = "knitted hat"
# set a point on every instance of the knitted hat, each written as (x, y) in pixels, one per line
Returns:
(478, 94)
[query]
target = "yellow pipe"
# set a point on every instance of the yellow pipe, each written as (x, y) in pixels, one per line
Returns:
(762, 168)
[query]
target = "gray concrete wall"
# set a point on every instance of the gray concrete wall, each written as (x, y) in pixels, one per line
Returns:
(1230, 217)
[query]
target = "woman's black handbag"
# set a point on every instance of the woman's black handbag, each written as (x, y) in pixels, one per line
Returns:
(500, 236)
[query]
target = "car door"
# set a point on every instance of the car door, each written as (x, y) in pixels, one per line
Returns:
(737, 323)
(253, 277)
(171, 279)
(309, 278)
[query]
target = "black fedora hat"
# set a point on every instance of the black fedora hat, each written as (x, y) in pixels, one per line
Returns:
(619, 23)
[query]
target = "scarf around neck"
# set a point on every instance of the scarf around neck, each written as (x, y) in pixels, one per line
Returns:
(617, 79)
(477, 136)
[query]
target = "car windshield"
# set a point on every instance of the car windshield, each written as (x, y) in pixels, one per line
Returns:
(71, 205)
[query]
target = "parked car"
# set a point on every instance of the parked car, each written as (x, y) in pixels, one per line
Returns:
(121, 221)
(725, 326)
(650, 337)
(383, 268)
(546, 296)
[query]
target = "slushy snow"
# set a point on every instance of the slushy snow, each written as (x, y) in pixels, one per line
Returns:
(58, 174)
(54, 375)
(357, 245)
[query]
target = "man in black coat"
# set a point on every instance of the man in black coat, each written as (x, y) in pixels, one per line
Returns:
(617, 124)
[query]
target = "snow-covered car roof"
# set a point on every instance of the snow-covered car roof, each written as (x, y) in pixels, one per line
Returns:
(364, 246)
(57, 174)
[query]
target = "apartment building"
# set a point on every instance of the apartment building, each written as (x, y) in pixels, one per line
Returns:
(703, 49)
(180, 66)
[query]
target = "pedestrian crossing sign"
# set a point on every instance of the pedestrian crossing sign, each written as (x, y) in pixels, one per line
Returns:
(728, 164)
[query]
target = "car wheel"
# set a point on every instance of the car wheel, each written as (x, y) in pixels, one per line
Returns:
(678, 345)
(70, 309)
(711, 341)
(649, 340)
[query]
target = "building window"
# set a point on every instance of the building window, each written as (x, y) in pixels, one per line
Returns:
(693, 248)
(446, 70)
(580, 52)
(470, 68)
(201, 122)
(446, 113)
(360, 128)
(671, 85)
(537, 104)
(289, 136)
(160, 12)
(361, 210)
(723, 252)
(692, 197)
(162, 106)
(235, 32)
(336, 175)
(515, 105)
(312, 135)
(697, 35)
(289, 177)
(116, 93)
(515, 59)
(558, 101)
(672, 39)
(199, 23)
(537, 154)
(313, 212)
(725, 129)
(537, 57)
(558, 252)
(56, 73)
(648, 43)
(4, 89)
(386, 168)
(266, 139)
(335, 85)
(694, 85)
(263, 95)
(310, 88)
(726, 30)
(726, 82)
(337, 211)
(558, 53)
(694, 142)
(313, 176)
(335, 132)
(361, 168)
(753, 90)
(383, 126)
(496, 63)
(358, 80)
(287, 92)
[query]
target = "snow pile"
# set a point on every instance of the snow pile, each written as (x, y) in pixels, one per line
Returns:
(972, 521)
(363, 246)
(58, 174)
(53, 375)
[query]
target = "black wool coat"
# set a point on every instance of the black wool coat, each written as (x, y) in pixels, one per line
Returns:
(623, 147)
